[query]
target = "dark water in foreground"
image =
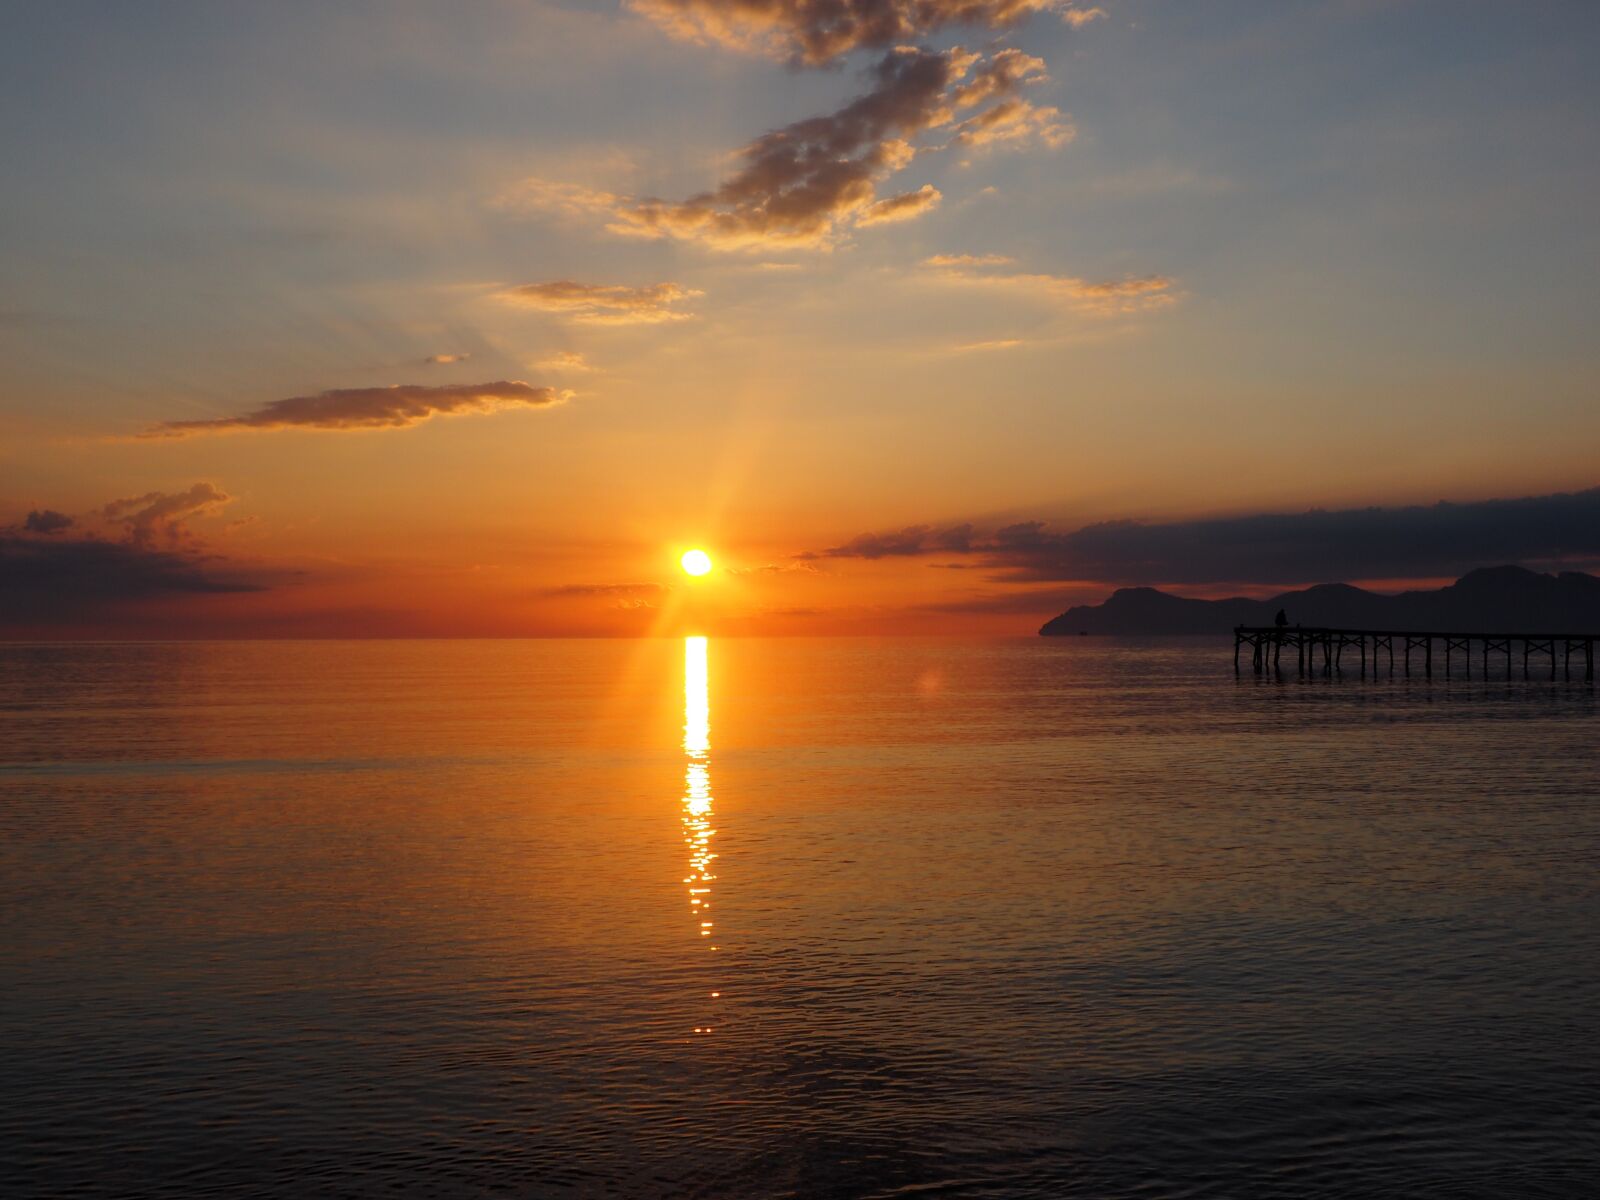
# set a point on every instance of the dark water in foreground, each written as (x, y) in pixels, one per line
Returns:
(837, 918)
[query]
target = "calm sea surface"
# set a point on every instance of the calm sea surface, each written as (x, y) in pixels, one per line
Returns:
(1032, 918)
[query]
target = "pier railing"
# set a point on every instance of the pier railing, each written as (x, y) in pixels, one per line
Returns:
(1313, 642)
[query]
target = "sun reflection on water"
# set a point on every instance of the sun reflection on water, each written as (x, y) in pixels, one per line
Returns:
(697, 817)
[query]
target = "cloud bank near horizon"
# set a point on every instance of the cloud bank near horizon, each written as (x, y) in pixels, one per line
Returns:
(55, 567)
(1419, 541)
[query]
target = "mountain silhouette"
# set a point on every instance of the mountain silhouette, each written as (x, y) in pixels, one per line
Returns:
(1491, 600)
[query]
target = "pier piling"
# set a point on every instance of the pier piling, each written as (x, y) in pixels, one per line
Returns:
(1266, 643)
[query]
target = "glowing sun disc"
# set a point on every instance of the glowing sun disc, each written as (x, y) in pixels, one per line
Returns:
(696, 562)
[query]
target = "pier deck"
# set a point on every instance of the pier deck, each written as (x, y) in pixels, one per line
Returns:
(1311, 642)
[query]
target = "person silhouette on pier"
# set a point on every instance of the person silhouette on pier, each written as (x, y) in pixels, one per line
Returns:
(1282, 619)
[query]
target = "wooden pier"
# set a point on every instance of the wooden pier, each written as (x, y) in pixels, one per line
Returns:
(1319, 650)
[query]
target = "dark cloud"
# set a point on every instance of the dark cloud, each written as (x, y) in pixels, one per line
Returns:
(1443, 539)
(46, 521)
(398, 407)
(818, 31)
(115, 559)
(798, 182)
(912, 540)
(807, 182)
(49, 579)
(604, 304)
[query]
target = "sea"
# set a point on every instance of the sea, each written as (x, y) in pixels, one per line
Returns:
(1075, 917)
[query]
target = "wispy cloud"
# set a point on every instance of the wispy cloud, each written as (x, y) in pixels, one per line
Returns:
(904, 207)
(444, 360)
(1079, 17)
(807, 183)
(1010, 118)
(1016, 120)
(1092, 297)
(565, 360)
(571, 200)
(162, 514)
(354, 409)
(818, 31)
(903, 543)
(968, 260)
(604, 304)
(626, 596)
(994, 344)
(793, 566)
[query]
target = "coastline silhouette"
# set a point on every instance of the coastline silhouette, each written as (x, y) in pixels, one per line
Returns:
(1490, 598)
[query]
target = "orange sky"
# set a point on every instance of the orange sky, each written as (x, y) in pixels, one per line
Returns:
(441, 324)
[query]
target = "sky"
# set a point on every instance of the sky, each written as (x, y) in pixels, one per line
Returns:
(924, 316)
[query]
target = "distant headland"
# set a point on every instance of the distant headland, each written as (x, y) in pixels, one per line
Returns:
(1491, 598)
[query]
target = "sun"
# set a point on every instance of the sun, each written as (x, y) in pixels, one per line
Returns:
(696, 562)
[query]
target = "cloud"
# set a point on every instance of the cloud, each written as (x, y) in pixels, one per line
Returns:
(968, 260)
(444, 360)
(626, 596)
(571, 200)
(1079, 17)
(904, 207)
(1011, 119)
(818, 31)
(1092, 297)
(48, 575)
(565, 360)
(783, 568)
(996, 344)
(50, 579)
(1431, 541)
(798, 184)
(901, 543)
(164, 513)
(46, 521)
(1016, 120)
(807, 183)
(603, 304)
(398, 407)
